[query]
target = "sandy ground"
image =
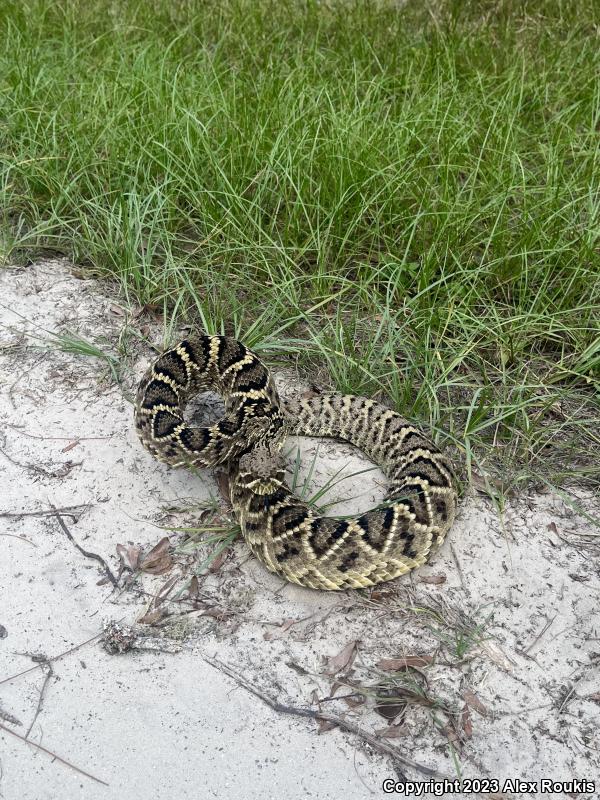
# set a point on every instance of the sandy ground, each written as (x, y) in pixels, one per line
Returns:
(503, 618)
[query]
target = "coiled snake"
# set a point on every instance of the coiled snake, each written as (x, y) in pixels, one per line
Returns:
(282, 530)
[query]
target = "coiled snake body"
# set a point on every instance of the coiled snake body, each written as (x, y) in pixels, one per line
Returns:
(285, 533)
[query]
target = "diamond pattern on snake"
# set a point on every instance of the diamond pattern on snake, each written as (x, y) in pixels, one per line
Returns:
(288, 536)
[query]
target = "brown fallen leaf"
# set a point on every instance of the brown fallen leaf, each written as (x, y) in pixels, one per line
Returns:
(194, 588)
(486, 484)
(158, 560)
(343, 660)
(216, 613)
(116, 310)
(434, 580)
(217, 563)
(276, 634)
(404, 662)
(594, 697)
(552, 527)
(381, 597)
(474, 702)
(466, 722)
(129, 556)
(164, 591)
(325, 725)
(451, 734)
(354, 702)
(152, 617)
(392, 731)
(223, 486)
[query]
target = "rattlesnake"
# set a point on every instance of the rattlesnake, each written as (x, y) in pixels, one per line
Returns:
(283, 531)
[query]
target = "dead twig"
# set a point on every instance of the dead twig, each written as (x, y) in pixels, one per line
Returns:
(86, 553)
(57, 438)
(60, 472)
(20, 538)
(539, 636)
(340, 722)
(54, 755)
(52, 659)
(9, 717)
(459, 570)
(67, 511)
(25, 372)
(47, 676)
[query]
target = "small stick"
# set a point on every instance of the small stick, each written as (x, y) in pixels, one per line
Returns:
(57, 438)
(310, 713)
(47, 677)
(53, 658)
(86, 553)
(20, 538)
(459, 568)
(67, 511)
(40, 470)
(540, 634)
(54, 755)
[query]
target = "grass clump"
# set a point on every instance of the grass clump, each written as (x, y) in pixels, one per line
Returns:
(404, 194)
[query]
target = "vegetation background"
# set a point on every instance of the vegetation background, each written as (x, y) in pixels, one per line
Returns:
(401, 197)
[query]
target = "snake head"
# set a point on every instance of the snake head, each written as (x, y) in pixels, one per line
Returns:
(261, 470)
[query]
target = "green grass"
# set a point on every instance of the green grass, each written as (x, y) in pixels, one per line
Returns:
(405, 201)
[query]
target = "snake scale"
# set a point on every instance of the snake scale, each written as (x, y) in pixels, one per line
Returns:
(283, 531)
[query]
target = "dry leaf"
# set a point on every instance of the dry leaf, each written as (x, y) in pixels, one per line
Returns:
(466, 722)
(164, 591)
(194, 589)
(223, 486)
(595, 697)
(392, 732)
(152, 617)
(475, 703)
(217, 562)
(435, 580)
(382, 597)
(552, 527)
(355, 701)
(485, 485)
(404, 662)
(325, 725)
(116, 310)
(451, 734)
(276, 634)
(343, 660)
(158, 560)
(129, 556)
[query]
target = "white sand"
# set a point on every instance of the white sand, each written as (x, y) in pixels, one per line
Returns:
(170, 725)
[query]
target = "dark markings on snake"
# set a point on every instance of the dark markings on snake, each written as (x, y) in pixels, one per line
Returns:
(165, 423)
(164, 391)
